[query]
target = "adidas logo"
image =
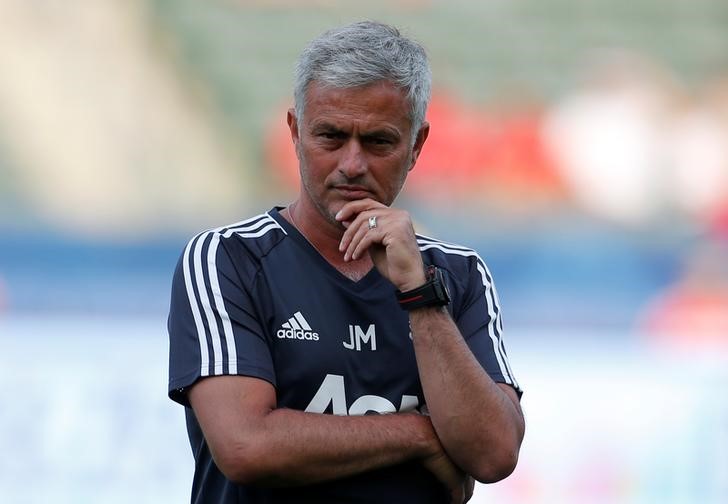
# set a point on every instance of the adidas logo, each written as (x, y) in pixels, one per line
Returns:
(297, 328)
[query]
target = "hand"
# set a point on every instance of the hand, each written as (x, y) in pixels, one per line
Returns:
(461, 485)
(392, 245)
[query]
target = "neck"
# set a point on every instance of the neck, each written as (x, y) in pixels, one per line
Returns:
(325, 238)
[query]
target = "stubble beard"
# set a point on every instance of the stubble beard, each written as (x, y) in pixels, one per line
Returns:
(318, 202)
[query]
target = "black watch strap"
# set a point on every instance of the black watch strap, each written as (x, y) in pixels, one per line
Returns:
(432, 293)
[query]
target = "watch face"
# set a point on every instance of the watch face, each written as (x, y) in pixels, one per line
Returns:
(444, 286)
(442, 295)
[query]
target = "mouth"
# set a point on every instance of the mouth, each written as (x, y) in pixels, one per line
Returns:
(353, 192)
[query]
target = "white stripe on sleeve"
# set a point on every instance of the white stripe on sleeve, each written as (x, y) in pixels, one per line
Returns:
(207, 307)
(490, 302)
(220, 305)
(492, 306)
(201, 336)
(253, 227)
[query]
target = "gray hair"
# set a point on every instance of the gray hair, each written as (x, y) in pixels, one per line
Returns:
(363, 53)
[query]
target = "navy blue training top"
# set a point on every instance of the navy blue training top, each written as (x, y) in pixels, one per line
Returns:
(256, 299)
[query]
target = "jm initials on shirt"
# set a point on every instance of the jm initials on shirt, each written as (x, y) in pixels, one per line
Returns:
(357, 337)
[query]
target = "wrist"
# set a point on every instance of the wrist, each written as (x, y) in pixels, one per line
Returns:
(432, 292)
(426, 442)
(416, 280)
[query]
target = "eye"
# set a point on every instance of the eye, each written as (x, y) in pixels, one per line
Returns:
(379, 141)
(331, 135)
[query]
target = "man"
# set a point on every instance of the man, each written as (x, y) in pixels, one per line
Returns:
(334, 305)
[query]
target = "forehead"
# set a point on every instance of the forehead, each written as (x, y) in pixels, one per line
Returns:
(381, 103)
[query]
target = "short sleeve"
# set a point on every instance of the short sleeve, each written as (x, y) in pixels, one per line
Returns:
(480, 323)
(213, 327)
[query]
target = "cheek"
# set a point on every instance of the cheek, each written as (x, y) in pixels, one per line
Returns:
(314, 168)
(397, 170)
(390, 181)
(316, 157)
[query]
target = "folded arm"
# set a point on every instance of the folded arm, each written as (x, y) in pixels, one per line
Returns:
(478, 421)
(254, 442)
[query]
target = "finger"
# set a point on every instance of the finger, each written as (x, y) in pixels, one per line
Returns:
(364, 241)
(351, 209)
(352, 228)
(349, 220)
(363, 236)
(359, 222)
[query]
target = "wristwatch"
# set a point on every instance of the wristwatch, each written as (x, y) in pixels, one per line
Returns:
(432, 293)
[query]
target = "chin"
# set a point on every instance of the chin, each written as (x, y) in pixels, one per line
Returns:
(329, 212)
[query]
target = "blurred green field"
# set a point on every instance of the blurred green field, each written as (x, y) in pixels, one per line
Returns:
(242, 53)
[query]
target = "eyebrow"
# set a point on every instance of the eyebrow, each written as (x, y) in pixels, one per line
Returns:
(381, 133)
(325, 126)
(330, 127)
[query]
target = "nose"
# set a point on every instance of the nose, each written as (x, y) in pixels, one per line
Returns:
(353, 162)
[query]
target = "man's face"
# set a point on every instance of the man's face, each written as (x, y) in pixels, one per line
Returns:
(354, 143)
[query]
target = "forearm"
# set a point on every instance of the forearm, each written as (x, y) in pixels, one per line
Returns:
(290, 447)
(480, 427)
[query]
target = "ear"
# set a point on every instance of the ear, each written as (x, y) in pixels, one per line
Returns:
(422, 135)
(293, 127)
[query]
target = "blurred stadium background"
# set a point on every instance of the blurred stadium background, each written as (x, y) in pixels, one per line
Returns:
(580, 147)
